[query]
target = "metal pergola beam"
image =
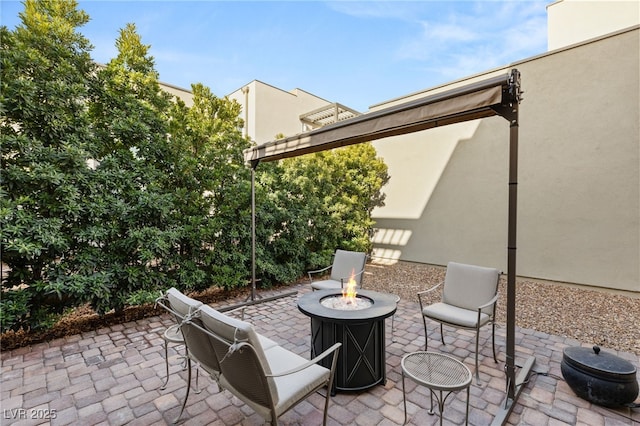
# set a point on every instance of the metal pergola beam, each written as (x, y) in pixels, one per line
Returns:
(515, 384)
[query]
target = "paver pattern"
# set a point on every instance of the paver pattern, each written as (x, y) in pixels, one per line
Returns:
(112, 376)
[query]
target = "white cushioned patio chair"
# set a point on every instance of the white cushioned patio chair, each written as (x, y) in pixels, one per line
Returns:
(346, 264)
(271, 380)
(199, 342)
(469, 296)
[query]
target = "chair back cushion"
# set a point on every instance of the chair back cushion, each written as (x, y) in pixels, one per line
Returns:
(247, 379)
(197, 341)
(470, 286)
(180, 303)
(347, 263)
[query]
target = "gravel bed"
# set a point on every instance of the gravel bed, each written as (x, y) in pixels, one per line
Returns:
(599, 317)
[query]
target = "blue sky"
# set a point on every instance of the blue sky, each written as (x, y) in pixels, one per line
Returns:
(355, 53)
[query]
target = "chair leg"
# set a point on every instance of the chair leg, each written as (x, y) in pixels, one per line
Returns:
(404, 399)
(426, 336)
(186, 396)
(477, 372)
(184, 361)
(197, 390)
(493, 341)
(166, 360)
(442, 333)
(326, 407)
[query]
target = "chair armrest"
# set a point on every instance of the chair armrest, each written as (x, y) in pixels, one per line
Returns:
(160, 299)
(181, 319)
(164, 304)
(318, 271)
(430, 289)
(489, 303)
(239, 308)
(355, 274)
(347, 279)
(332, 350)
(423, 292)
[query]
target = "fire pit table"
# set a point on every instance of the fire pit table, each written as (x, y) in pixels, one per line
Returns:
(358, 326)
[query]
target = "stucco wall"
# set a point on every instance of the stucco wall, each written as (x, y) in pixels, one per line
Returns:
(185, 95)
(573, 21)
(272, 111)
(579, 175)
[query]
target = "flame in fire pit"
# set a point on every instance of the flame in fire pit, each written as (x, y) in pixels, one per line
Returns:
(349, 292)
(349, 300)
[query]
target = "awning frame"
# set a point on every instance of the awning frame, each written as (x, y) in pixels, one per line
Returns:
(481, 100)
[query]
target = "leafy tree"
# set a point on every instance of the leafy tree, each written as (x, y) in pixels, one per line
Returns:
(131, 234)
(212, 187)
(313, 204)
(44, 140)
(282, 224)
(354, 181)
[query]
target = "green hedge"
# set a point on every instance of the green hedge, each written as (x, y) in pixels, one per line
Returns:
(112, 192)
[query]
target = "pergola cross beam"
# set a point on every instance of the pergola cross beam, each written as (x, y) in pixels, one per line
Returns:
(332, 113)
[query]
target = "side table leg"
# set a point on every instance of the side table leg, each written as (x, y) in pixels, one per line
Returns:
(404, 399)
(441, 405)
(466, 419)
(431, 412)
(440, 401)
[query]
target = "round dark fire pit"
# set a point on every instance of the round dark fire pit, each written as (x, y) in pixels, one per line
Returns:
(362, 357)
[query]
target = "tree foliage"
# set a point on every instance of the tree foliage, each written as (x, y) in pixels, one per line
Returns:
(112, 191)
(130, 232)
(212, 187)
(313, 204)
(45, 137)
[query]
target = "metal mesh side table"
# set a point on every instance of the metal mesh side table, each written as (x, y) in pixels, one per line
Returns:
(440, 373)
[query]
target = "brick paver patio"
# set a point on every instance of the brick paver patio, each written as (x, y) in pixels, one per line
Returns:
(112, 376)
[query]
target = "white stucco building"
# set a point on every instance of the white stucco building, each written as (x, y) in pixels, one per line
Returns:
(579, 184)
(269, 112)
(575, 21)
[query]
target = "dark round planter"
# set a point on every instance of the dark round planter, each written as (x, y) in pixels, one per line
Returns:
(599, 377)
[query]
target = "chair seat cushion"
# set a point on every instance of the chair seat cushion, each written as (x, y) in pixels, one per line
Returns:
(290, 388)
(454, 315)
(265, 342)
(326, 285)
(293, 387)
